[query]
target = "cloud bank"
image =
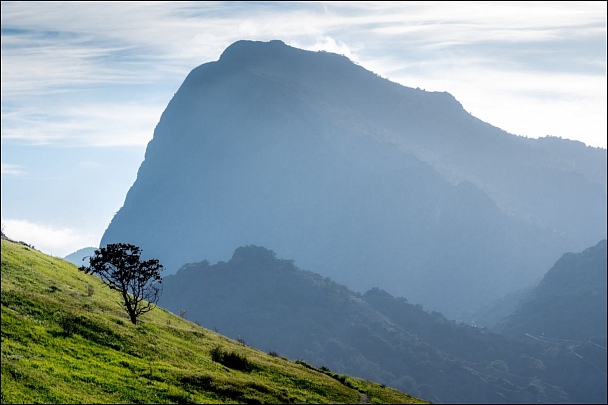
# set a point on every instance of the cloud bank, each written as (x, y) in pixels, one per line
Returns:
(479, 51)
(58, 242)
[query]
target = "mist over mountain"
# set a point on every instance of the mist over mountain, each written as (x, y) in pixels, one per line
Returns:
(271, 304)
(361, 179)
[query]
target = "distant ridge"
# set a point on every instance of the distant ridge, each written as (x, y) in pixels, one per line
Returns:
(362, 179)
(273, 305)
(80, 257)
(570, 301)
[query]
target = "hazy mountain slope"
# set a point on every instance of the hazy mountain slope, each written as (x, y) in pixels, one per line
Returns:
(570, 301)
(495, 312)
(63, 344)
(364, 180)
(79, 257)
(273, 305)
(568, 310)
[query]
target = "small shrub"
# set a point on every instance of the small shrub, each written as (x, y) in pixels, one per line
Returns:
(343, 379)
(230, 359)
(197, 381)
(68, 322)
(305, 364)
(273, 353)
(89, 329)
(216, 354)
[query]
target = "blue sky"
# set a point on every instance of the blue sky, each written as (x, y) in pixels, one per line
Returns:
(85, 83)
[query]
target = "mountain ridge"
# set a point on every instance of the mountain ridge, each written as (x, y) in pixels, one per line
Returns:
(273, 305)
(344, 171)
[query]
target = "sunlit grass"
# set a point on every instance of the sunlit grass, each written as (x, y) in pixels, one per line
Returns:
(65, 339)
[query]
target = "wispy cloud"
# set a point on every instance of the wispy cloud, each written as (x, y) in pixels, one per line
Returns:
(83, 124)
(12, 170)
(506, 50)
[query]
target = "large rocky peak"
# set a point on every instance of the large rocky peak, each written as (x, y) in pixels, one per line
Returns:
(357, 178)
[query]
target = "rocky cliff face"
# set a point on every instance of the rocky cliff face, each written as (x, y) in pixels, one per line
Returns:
(358, 178)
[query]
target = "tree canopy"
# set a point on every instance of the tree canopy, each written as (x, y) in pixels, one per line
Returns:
(120, 267)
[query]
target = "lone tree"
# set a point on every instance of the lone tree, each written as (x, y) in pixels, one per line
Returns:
(120, 268)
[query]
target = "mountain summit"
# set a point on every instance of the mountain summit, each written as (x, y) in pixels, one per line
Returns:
(358, 178)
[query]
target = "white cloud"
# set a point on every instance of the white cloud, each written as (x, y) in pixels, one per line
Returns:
(83, 124)
(58, 242)
(191, 32)
(70, 46)
(523, 102)
(12, 170)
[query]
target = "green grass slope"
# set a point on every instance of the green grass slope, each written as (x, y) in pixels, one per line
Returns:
(66, 340)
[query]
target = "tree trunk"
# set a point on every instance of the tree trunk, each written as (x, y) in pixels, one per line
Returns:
(129, 307)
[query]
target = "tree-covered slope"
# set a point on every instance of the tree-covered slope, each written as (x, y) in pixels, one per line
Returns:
(570, 301)
(274, 305)
(66, 340)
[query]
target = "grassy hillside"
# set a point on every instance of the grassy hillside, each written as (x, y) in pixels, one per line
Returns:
(66, 340)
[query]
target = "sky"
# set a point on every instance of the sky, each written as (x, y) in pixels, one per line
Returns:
(85, 83)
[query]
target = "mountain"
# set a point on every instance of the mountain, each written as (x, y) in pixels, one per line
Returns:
(490, 315)
(79, 257)
(570, 302)
(65, 340)
(273, 305)
(364, 180)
